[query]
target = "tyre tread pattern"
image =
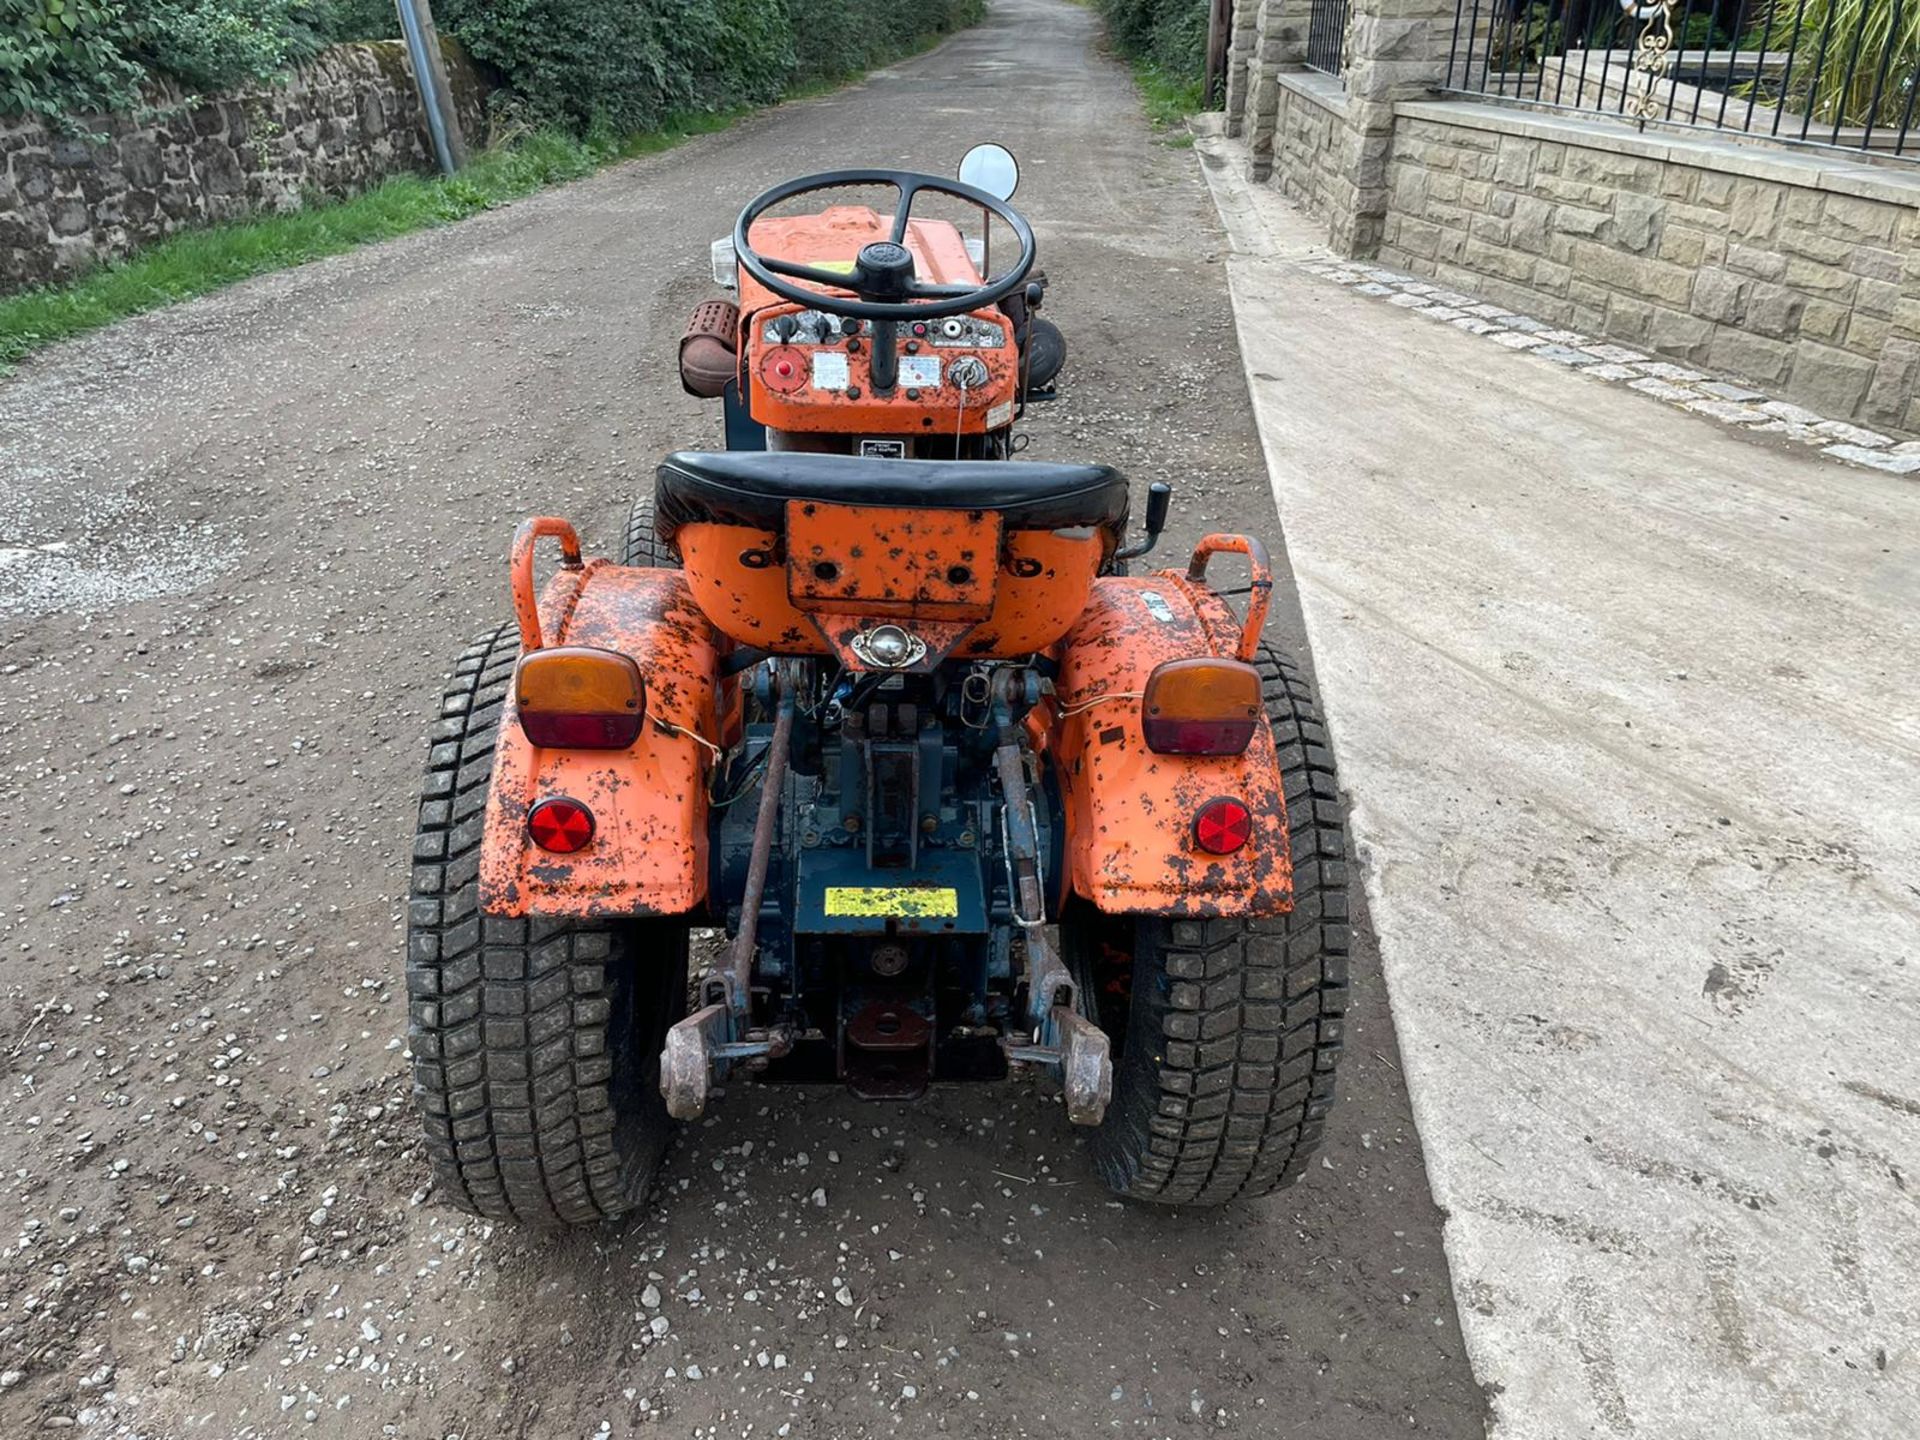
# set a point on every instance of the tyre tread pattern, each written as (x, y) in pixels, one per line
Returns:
(643, 547)
(508, 1019)
(1223, 1087)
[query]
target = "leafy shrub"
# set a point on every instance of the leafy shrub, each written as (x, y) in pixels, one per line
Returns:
(65, 57)
(214, 43)
(359, 20)
(60, 55)
(1886, 36)
(616, 67)
(609, 67)
(1169, 34)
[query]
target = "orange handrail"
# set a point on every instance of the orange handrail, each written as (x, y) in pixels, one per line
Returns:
(1261, 586)
(526, 606)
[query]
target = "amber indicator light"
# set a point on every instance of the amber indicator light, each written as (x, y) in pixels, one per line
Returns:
(576, 697)
(1201, 707)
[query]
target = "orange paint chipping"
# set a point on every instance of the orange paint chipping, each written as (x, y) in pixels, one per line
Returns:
(1130, 812)
(649, 801)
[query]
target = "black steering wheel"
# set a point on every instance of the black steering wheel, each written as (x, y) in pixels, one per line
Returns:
(882, 274)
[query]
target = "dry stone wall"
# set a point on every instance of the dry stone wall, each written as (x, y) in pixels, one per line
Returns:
(337, 125)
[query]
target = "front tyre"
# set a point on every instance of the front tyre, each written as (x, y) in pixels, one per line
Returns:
(536, 1043)
(1226, 1032)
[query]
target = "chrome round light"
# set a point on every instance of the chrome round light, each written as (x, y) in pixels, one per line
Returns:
(888, 647)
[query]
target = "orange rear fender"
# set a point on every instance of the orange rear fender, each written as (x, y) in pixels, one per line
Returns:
(1129, 812)
(648, 854)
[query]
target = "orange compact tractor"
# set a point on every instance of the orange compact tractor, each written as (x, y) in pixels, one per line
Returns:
(970, 794)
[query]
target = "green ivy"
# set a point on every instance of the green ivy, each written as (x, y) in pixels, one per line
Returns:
(63, 58)
(608, 67)
(210, 44)
(62, 55)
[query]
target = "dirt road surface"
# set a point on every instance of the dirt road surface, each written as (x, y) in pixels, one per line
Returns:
(240, 543)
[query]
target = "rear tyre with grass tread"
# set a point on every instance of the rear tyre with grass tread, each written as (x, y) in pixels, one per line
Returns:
(1225, 1051)
(536, 1043)
(643, 546)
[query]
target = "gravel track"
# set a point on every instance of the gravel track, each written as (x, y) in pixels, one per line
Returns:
(241, 542)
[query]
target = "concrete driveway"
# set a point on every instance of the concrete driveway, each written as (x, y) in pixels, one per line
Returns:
(1630, 711)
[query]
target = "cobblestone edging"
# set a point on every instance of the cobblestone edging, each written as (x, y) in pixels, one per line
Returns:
(1731, 404)
(335, 126)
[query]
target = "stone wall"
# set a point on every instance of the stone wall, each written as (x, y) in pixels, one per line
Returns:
(1308, 143)
(1800, 274)
(334, 127)
(1796, 270)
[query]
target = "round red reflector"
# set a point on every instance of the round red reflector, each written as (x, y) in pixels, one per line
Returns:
(560, 824)
(1222, 826)
(784, 368)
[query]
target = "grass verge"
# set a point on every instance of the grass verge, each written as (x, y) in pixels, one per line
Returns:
(195, 262)
(1169, 100)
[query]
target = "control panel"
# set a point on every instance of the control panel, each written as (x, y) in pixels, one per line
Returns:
(813, 327)
(815, 371)
(962, 330)
(807, 327)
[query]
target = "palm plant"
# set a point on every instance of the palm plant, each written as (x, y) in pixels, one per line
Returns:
(1855, 62)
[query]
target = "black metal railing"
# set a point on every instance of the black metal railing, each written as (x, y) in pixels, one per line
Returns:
(1327, 35)
(1840, 73)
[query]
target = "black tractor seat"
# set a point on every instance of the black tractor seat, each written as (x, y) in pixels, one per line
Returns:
(752, 487)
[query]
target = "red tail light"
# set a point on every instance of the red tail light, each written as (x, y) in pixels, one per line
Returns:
(560, 824)
(1222, 826)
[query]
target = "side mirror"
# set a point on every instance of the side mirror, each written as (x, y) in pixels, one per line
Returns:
(991, 168)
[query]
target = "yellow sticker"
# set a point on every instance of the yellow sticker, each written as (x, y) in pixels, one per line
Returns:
(899, 902)
(838, 267)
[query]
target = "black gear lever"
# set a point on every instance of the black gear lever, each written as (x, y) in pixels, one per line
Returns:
(1159, 502)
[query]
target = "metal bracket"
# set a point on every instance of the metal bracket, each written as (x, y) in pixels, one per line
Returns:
(1025, 922)
(687, 1062)
(1077, 1051)
(1063, 1040)
(698, 1052)
(701, 1047)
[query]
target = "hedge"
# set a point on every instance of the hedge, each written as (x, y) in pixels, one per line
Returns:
(67, 57)
(617, 67)
(609, 67)
(1169, 34)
